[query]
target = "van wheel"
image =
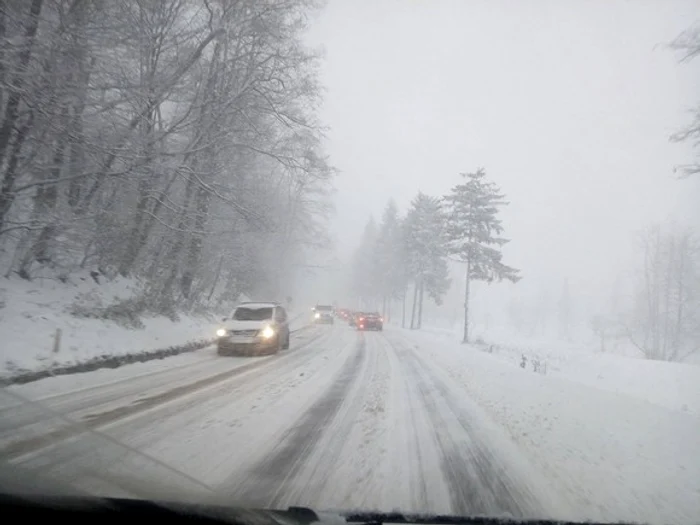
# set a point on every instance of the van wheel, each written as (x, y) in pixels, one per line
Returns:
(286, 343)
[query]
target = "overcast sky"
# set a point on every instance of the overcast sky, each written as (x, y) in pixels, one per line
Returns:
(568, 105)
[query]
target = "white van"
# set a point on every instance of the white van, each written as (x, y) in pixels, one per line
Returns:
(254, 329)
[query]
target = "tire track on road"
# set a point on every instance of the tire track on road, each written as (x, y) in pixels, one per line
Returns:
(479, 482)
(89, 422)
(19, 414)
(272, 480)
(15, 415)
(417, 468)
(380, 464)
(182, 437)
(359, 478)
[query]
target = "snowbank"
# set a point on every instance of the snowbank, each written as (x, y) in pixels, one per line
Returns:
(670, 385)
(34, 314)
(631, 455)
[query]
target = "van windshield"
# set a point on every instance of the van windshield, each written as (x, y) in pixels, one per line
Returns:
(244, 313)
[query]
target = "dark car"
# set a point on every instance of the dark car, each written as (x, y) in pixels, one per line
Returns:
(323, 314)
(370, 321)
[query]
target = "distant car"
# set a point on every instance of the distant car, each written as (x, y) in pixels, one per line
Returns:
(352, 318)
(370, 321)
(323, 314)
(254, 329)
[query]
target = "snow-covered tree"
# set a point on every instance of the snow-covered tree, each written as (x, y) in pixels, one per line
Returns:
(425, 252)
(473, 232)
(391, 258)
(366, 272)
(175, 142)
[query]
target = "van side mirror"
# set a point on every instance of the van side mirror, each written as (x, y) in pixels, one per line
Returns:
(224, 318)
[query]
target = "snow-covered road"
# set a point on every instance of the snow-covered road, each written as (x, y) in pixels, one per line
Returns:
(342, 420)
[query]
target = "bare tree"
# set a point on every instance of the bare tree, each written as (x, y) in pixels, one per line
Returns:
(666, 320)
(687, 44)
(174, 141)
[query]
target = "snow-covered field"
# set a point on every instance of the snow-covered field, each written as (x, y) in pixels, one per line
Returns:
(671, 385)
(393, 420)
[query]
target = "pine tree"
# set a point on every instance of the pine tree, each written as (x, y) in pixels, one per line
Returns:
(391, 258)
(426, 252)
(473, 233)
(365, 278)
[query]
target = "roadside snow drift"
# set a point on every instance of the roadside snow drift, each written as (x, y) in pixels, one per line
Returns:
(33, 315)
(631, 453)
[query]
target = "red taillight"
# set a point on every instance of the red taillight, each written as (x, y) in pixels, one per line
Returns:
(381, 319)
(362, 326)
(362, 318)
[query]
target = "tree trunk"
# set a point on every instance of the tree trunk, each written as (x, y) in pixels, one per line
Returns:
(683, 253)
(465, 339)
(413, 308)
(670, 264)
(420, 304)
(403, 307)
(7, 197)
(147, 126)
(194, 251)
(14, 98)
(216, 279)
(44, 203)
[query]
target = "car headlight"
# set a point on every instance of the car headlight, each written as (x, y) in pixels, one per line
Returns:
(221, 332)
(317, 316)
(267, 332)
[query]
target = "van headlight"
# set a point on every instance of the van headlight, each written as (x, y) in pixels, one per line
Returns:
(267, 332)
(221, 332)
(317, 316)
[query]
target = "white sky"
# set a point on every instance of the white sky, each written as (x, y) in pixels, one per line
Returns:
(567, 104)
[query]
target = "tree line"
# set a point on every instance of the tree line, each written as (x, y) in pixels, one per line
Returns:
(172, 141)
(404, 258)
(409, 254)
(663, 321)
